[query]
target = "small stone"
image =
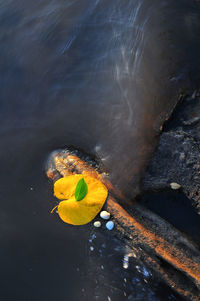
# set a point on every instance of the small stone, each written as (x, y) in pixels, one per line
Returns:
(175, 186)
(110, 225)
(97, 224)
(105, 214)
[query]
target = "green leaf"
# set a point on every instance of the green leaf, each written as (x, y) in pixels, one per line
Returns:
(81, 190)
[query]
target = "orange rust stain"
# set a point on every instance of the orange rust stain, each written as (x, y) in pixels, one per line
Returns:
(50, 174)
(161, 246)
(173, 284)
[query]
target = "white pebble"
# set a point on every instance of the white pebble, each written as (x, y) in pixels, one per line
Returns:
(175, 186)
(97, 224)
(110, 225)
(105, 214)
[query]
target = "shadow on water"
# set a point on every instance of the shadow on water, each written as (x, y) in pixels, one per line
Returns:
(177, 209)
(102, 77)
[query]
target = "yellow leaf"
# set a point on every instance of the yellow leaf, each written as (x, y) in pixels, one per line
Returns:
(64, 188)
(79, 212)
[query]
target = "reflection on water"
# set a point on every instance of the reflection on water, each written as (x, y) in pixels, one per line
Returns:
(102, 76)
(117, 274)
(98, 75)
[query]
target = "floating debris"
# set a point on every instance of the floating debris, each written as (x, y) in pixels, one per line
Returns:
(110, 225)
(97, 224)
(175, 186)
(82, 198)
(105, 214)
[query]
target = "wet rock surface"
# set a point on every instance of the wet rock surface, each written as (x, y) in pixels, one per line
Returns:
(177, 158)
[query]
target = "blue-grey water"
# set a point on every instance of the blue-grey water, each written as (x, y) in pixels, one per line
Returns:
(101, 76)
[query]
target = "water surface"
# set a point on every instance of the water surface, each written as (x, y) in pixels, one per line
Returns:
(98, 75)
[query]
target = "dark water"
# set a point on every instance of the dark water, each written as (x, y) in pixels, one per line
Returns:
(100, 76)
(177, 209)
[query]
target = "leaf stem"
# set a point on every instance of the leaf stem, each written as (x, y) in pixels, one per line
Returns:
(53, 209)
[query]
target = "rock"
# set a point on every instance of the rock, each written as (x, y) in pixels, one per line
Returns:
(110, 225)
(177, 157)
(105, 214)
(175, 186)
(97, 224)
